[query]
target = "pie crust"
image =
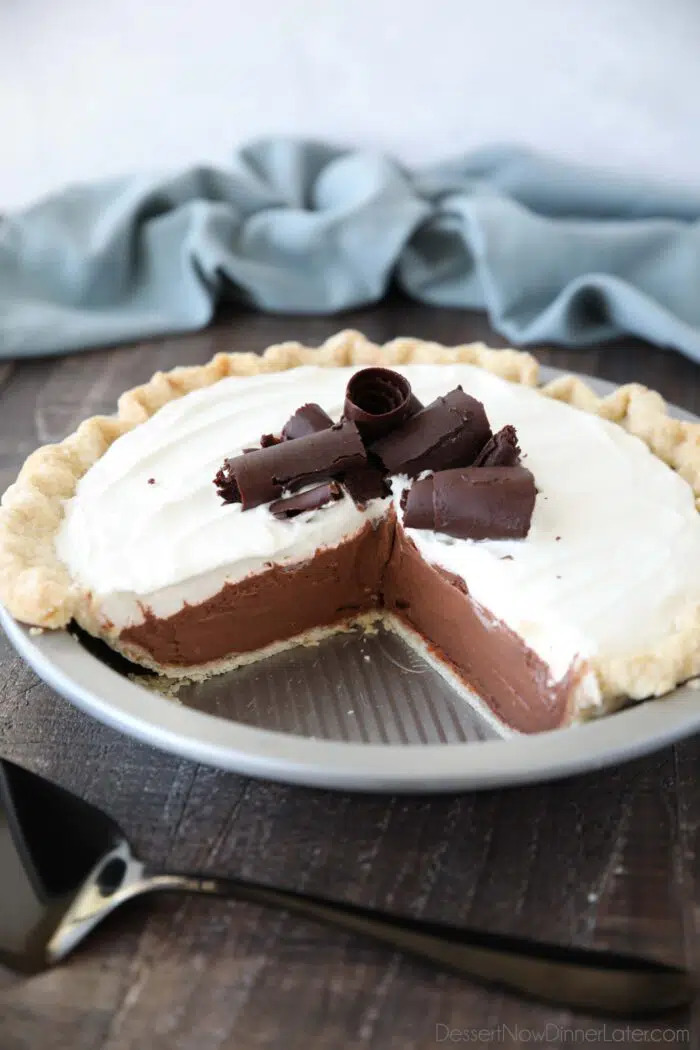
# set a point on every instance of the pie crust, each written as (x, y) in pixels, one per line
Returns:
(36, 587)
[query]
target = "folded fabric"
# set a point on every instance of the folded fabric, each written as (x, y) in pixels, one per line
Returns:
(553, 252)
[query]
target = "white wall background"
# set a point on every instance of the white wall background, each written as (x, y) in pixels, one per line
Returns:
(96, 87)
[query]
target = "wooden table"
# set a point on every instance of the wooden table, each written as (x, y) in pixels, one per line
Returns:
(607, 859)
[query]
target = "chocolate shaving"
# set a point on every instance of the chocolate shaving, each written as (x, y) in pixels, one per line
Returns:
(450, 432)
(366, 484)
(312, 499)
(268, 440)
(477, 503)
(417, 505)
(501, 450)
(309, 419)
(262, 476)
(379, 400)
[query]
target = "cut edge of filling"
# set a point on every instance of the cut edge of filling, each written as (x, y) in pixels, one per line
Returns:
(377, 574)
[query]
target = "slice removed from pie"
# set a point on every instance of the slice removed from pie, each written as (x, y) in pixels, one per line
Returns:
(135, 527)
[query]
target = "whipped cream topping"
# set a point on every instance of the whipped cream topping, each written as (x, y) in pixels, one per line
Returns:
(611, 562)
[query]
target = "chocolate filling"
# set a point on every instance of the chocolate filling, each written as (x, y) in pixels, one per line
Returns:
(379, 566)
(490, 658)
(273, 605)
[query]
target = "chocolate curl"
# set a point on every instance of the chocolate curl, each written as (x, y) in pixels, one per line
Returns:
(265, 442)
(473, 503)
(366, 484)
(262, 476)
(417, 505)
(501, 450)
(450, 432)
(312, 499)
(379, 400)
(309, 419)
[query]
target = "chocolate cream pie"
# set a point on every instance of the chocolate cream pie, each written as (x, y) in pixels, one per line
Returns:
(539, 545)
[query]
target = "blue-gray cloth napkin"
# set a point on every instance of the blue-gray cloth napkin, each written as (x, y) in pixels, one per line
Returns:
(552, 251)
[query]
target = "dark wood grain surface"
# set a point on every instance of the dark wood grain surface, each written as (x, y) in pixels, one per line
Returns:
(607, 859)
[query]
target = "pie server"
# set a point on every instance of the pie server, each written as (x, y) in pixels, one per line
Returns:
(65, 865)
